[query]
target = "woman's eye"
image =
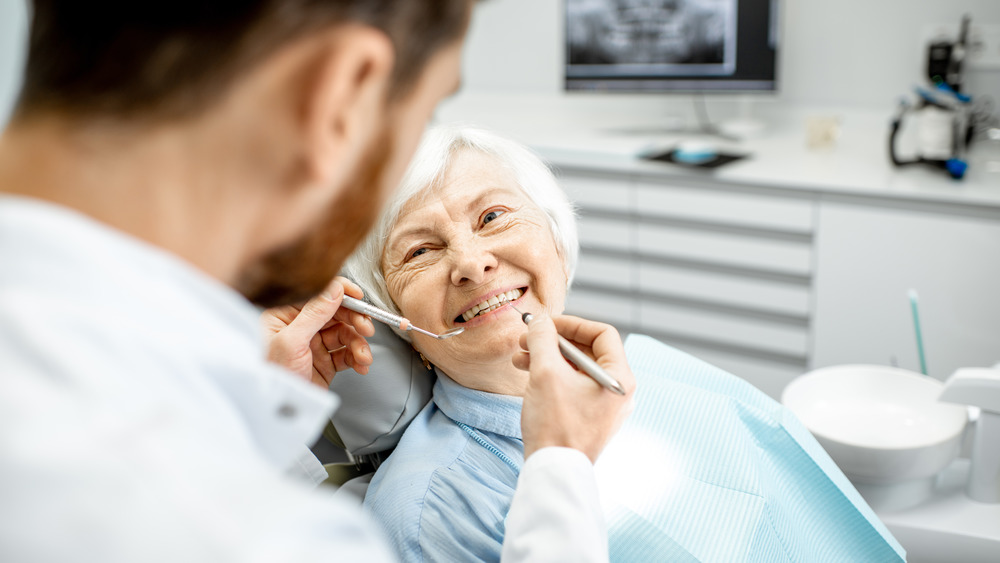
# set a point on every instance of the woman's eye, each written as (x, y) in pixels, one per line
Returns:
(418, 252)
(491, 216)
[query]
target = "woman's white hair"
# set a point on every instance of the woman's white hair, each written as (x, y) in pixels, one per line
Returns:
(430, 164)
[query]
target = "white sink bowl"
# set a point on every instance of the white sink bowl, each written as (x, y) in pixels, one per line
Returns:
(881, 425)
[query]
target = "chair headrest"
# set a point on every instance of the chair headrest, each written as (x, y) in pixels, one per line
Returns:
(376, 408)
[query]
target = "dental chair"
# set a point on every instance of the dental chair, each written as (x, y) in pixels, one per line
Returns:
(739, 462)
(375, 409)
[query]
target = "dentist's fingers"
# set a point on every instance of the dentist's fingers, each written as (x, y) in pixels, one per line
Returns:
(337, 349)
(321, 305)
(543, 346)
(327, 363)
(350, 288)
(522, 359)
(276, 319)
(323, 369)
(292, 334)
(361, 323)
(600, 341)
(315, 314)
(353, 350)
(343, 359)
(296, 334)
(563, 407)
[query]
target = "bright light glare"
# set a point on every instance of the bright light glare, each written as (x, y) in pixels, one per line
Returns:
(636, 469)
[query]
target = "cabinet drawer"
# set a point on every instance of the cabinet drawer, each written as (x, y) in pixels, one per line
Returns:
(616, 310)
(741, 251)
(732, 290)
(605, 233)
(597, 192)
(725, 207)
(724, 329)
(605, 270)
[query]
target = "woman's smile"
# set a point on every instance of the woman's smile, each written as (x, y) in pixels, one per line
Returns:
(486, 306)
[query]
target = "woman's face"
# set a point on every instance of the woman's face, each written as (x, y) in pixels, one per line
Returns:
(454, 251)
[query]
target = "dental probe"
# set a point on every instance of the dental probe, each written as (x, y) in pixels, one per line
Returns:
(402, 323)
(582, 360)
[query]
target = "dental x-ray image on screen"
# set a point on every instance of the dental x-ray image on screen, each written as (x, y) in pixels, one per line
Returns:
(690, 37)
(671, 45)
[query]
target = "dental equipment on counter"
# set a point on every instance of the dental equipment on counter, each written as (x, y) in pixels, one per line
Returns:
(581, 360)
(392, 320)
(946, 117)
(945, 130)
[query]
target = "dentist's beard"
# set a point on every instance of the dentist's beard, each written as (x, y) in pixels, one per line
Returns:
(299, 271)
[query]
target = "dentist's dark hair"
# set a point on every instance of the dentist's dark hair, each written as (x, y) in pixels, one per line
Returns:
(171, 59)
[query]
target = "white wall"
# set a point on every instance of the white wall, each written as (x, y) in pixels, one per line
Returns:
(833, 52)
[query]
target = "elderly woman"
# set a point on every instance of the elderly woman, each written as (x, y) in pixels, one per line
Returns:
(480, 223)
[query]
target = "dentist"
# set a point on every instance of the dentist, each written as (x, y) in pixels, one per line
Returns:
(168, 165)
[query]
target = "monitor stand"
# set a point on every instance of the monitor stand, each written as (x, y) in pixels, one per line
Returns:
(743, 127)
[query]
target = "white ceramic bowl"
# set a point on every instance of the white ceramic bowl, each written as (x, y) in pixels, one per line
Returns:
(881, 425)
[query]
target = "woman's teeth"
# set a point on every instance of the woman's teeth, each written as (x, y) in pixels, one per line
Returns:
(492, 304)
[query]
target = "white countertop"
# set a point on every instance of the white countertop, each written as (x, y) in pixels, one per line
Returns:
(595, 133)
(949, 526)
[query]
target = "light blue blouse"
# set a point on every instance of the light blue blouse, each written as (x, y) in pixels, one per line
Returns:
(444, 492)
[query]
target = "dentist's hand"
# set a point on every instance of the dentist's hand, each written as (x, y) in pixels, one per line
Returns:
(562, 406)
(318, 339)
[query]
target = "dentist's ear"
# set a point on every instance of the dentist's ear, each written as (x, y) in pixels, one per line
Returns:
(344, 92)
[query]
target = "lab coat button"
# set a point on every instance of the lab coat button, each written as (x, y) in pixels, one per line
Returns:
(287, 411)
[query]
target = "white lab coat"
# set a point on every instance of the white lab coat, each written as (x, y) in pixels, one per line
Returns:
(140, 422)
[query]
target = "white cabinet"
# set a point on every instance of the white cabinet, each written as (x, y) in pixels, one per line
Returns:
(769, 283)
(723, 272)
(868, 257)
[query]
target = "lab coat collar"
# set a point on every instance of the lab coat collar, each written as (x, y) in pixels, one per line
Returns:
(491, 412)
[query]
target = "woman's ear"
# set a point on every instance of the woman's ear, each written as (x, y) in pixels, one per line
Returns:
(343, 100)
(562, 256)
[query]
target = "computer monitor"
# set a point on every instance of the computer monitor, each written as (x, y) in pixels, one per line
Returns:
(671, 45)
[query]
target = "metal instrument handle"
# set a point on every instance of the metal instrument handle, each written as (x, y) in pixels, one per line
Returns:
(374, 312)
